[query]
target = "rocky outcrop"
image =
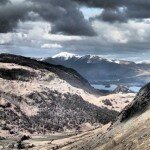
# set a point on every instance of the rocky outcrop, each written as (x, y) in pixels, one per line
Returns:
(140, 104)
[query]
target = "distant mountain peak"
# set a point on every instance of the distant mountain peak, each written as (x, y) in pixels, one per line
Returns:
(122, 89)
(65, 55)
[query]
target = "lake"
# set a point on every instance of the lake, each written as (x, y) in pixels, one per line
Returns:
(113, 87)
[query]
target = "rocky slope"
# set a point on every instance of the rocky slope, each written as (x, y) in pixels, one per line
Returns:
(37, 97)
(139, 105)
(131, 131)
(98, 70)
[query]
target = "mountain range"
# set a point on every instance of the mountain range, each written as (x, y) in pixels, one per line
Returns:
(99, 70)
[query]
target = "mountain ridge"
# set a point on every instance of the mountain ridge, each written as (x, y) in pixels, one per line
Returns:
(68, 55)
(21, 60)
(99, 70)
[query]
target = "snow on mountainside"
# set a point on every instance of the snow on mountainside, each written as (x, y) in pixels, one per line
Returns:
(89, 58)
(65, 55)
(100, 70)
(94, 58)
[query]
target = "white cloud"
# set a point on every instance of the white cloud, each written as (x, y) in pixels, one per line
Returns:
(130, 35)
(132, 31)
(41, 31)
(59, 37)
(48, 46)
(5, 38)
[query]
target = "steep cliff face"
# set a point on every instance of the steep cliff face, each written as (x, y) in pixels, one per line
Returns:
(140, 104)
(37, 97)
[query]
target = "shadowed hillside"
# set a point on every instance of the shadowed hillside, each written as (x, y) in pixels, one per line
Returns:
(37, 97)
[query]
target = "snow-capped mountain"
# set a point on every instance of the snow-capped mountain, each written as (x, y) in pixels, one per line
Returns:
(88, 58)
(97, 69)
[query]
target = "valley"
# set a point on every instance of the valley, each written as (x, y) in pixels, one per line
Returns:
(74, 74)
(54, 107)
(129, 131)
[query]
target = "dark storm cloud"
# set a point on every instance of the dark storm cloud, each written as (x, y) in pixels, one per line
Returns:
(65, 16)
(10, 15)
(111, 15)
(134, 9)
(101, 3)
(4, 2)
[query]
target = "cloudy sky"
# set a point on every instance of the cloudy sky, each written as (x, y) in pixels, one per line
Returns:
(110, 28)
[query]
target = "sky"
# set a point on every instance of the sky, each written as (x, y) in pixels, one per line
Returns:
(40, 28)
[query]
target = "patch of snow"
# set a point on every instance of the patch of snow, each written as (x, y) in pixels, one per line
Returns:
(117, 61)
(65, 55)
(94, 58)
(143, 62)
